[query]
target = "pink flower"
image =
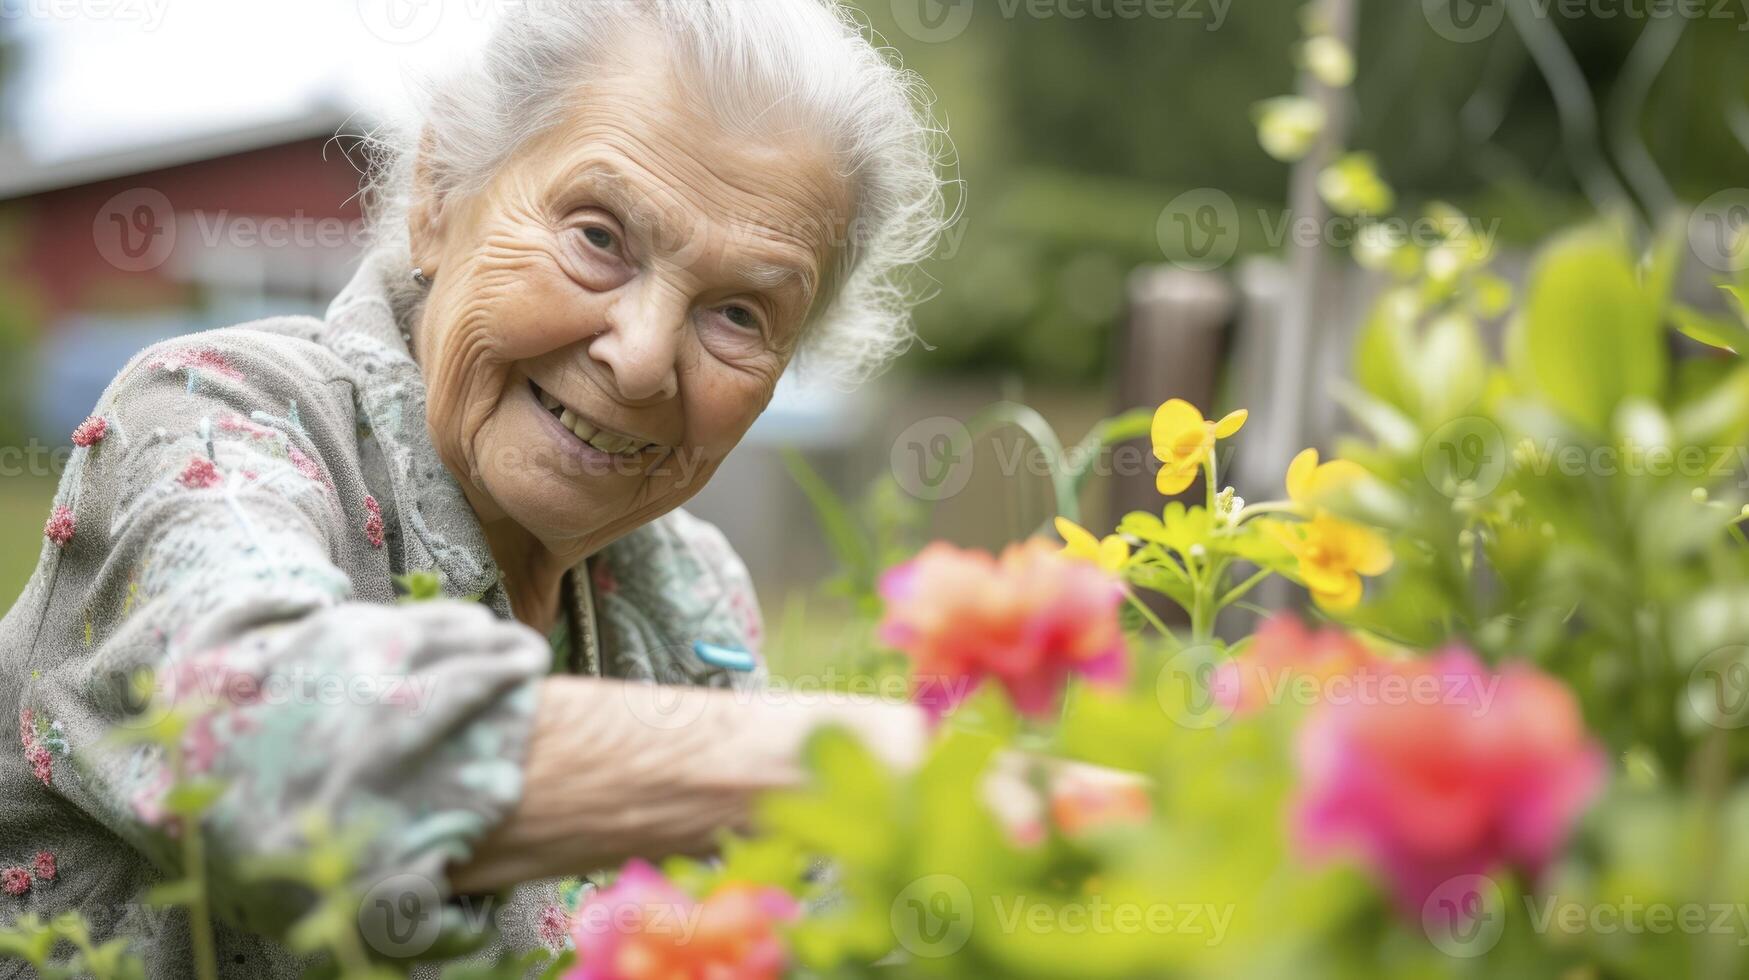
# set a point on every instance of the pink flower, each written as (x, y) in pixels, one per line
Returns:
(1461, 772)
(199, 474)
(91, 431)
(1285, 660)
(59, 529)
(373, 521)
(644, 928)
(43, 865)
(15, 881)
(26, 726)
(1029, 619)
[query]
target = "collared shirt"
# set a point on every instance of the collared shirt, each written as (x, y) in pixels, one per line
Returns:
(248, 517)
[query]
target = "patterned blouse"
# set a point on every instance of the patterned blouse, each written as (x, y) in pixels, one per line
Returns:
(246, 520)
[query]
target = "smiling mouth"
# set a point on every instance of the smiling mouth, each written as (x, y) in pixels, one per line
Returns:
(611, 443)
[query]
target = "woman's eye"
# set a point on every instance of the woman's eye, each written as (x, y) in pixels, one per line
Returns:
(599, 237)
(741, 317)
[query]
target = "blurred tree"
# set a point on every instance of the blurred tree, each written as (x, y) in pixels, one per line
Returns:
(1074, 132)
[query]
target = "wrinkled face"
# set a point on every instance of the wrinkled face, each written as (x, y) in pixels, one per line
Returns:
(613, 310)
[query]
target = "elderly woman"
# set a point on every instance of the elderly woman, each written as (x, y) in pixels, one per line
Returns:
(597, 253)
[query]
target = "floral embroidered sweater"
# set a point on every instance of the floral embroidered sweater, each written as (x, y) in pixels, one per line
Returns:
(235, 518)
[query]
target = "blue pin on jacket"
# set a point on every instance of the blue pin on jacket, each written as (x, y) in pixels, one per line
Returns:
(727, 658)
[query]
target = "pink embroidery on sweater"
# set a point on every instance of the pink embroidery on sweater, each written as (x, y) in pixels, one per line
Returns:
(16, 881)
(91, 431)
(42, 765)
(196, 358)
(555, 924)
(199, 474)
(373, 521)
(43, 865)
(59, 529)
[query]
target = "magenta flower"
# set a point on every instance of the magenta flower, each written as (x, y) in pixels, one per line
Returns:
(644, 928)
(59, 529)
(1029, 619)
(43, 865)
(1460, 771)
(91, 431)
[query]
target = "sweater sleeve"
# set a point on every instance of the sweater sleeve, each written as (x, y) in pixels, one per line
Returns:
(201, 540)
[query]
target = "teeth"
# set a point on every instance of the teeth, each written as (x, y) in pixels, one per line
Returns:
(607, 442)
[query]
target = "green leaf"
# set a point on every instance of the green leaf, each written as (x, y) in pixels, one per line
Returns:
(848, 542)
(1714, 331)
(193, 797)
(174, 893)
(1591, 332)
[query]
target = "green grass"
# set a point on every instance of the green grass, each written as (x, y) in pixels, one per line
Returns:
(24, 506)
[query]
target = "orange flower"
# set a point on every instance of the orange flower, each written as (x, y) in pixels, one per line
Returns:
(1079, 806)
(644, 928)
(1028, 620)
(1182, 440)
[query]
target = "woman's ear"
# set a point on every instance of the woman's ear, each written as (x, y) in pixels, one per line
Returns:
(425, 226)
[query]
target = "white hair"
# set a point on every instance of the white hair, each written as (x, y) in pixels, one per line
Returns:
(746, 58)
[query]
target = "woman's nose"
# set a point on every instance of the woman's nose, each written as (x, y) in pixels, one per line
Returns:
(641, 345)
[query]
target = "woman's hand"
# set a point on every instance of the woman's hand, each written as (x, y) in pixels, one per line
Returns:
(618, 769)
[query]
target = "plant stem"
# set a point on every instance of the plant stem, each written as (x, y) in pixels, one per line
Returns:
(1147, 613)
(200, 919)
(1238, 591)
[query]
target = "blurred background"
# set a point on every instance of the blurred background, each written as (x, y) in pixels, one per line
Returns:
(169, 166)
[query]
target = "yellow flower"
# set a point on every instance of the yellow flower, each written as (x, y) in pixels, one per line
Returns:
(1310, 482)
(1182, 440)
(1110, 553)
(1333, 554)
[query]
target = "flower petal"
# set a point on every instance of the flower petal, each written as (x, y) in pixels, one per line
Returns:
(1114, 552)
(1078, 542)
(1299, 475)
(1230, 423)
(1171, 420)
(1174, 479)
(1346, 597)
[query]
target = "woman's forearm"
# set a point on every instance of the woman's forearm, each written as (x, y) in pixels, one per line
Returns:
(618, 769)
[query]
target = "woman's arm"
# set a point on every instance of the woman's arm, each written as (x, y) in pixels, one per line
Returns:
(619, 769)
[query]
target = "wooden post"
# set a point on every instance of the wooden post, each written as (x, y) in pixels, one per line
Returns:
(1170, 346)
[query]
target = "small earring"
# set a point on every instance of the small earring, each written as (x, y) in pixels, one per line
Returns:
(420, 277)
